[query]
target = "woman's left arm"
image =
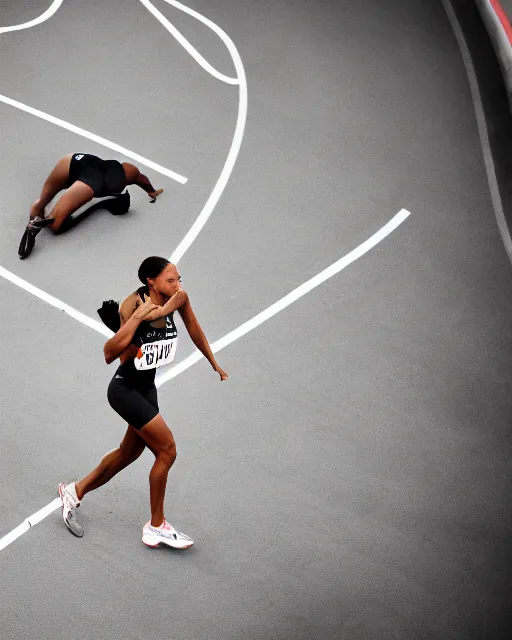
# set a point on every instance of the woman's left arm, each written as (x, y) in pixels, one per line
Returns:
(198, 338)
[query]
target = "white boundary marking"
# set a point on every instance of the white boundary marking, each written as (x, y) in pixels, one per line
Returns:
(28, 523)
(42, 18)
(238, 135)
(55, 302)
(196, 228)
(184, 42)
(240, 331)
(71, 127)
(95, 138)
(290, 298)
(482, 129)
(223, 178)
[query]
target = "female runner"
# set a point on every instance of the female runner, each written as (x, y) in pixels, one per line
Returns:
(145, 341)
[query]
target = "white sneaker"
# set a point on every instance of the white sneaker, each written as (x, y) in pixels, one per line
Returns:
(165, 534)
(69, 505)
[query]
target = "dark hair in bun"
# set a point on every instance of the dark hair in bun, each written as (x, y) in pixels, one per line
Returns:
(151, 268)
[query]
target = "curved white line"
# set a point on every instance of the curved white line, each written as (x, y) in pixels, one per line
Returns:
(237, 136)
(92, 136)
(185, 43)
(42, 18)
(71, 127)
(278, 306)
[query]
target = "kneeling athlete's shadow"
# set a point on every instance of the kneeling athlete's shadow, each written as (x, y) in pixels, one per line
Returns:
(118, 206)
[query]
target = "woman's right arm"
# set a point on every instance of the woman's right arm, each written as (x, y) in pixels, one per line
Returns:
(131, 317)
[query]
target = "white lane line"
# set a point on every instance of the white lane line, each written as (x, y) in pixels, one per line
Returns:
(44, 16)
(207, 209)
(71, 127)
(236, 333)
(238, 135)
(214, 196)
(240, 331)
(290, 298)
(29, 522)
(55, 302)
(186, 44)
(92, 136)
(482, 129)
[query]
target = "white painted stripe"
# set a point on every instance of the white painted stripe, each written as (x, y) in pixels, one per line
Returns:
(186, 44)
(238, 135)
(14, 534)
(92, 136)
(244, 328)
(29, 522)
(207, 209)
(294, 295)
(238, 333)
(482, 130)
(55, 302)
(42, 18)
(71, 127)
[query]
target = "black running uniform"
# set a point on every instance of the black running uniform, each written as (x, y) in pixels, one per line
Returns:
(132, 391)
(105, 177)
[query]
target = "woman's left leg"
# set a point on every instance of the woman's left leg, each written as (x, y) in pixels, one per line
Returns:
(112, 463)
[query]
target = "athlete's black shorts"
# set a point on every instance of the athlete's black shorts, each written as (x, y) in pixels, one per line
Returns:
(105, 177)
(136, 405)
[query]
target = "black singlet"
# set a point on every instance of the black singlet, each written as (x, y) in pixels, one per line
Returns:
(157, 346)
(132, 392)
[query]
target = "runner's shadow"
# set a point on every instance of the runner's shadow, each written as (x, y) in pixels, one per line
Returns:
(117, 206)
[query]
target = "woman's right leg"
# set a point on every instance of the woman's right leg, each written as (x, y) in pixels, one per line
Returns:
(75, 197)
(158, 437)
(55, 182)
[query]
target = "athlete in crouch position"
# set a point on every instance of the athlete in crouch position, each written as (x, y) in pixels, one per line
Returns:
(85, 177)
(145, 341)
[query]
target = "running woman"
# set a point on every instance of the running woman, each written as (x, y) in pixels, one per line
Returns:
(85, 177)
(145, 341)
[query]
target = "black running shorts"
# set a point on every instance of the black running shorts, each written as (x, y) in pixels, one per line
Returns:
(136, 405)
(105, 177)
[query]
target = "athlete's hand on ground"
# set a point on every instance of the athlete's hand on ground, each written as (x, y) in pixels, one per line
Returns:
(154, 194)
(223, 375)
(145, 308)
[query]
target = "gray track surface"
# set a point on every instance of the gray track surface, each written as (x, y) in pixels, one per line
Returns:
(352, 479)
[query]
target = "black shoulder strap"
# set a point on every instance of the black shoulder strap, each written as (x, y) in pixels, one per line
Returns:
(143, 290)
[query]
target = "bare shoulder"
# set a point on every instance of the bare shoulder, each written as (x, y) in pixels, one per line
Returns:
(128, 306)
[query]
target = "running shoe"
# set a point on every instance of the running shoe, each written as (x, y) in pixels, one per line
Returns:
(28, 239)
(69, 506)
(165, 534)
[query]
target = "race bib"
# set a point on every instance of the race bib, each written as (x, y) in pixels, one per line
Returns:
(155, 354)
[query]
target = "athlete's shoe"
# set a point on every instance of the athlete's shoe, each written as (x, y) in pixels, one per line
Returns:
(69, 506)
(28, 239)
(165, 534)
(118, 205)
